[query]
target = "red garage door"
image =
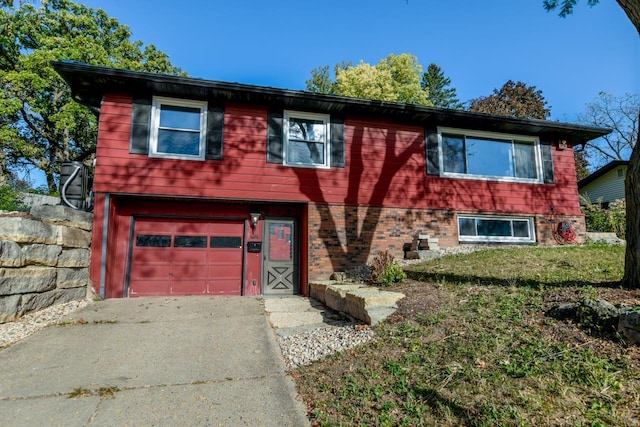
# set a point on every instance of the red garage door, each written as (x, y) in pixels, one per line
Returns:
(186, 257)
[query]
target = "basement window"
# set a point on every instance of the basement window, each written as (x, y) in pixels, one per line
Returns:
(488, 229)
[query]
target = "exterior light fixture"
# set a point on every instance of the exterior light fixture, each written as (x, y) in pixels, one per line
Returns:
(255, 217)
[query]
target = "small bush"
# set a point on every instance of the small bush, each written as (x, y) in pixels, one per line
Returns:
(385, 270)
(9, 199)
(612, 220)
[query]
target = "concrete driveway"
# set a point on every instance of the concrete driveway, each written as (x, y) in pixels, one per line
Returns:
(188, 361)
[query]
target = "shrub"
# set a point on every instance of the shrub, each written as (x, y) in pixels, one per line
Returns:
(9, 199)
(385, 270)
(612, 220)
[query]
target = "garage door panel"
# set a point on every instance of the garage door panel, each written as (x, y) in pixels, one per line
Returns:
(151, 272)
(149, 288)
(225, 256)
(186, 257)
(189, 287)
(222, 287)
(151, 256)
(190, 256)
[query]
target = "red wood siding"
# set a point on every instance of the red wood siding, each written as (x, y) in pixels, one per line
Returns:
(385, 167)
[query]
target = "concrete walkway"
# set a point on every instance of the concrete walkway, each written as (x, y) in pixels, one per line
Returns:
(189, 361)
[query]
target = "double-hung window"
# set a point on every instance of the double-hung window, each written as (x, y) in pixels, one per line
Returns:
(496, 229)
(486, 155)
(306, 139)
(178, 128)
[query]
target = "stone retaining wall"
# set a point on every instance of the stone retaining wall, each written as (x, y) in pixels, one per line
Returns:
(44, 259)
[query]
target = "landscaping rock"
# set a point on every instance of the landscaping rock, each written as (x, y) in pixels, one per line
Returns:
(564, 311)
(27, 280)
(9, 308)
(73, 237)
(63, 215)
(629, 326)
(33, 302)
(24, 230)
(72, 277)
(598, 315)
(10, 254)
(39, 254)
(74, 258)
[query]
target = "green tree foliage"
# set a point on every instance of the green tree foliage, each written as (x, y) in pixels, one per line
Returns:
(514, 99)
(395, 78)
(41, 125)
(441, 94)
(620, 114)
(582, 163)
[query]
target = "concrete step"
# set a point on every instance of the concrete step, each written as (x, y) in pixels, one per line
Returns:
(367, 303)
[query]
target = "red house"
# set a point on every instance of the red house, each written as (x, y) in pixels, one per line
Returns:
(205, 187)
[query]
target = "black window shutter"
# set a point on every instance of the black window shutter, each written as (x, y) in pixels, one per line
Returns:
(433, 153)
(547, 162)
(140, 126)
(274, 137)
(337, 143)
(215, 132)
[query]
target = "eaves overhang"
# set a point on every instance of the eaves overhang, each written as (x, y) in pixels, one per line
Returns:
(90, 83)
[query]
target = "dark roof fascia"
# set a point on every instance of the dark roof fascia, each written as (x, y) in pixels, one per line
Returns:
(90, 83)
(602, 171)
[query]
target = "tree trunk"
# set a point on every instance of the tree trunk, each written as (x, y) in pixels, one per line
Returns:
(632, 194)
(51, 182)
(632, 9)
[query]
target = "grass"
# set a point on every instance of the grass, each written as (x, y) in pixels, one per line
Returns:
(470, 345)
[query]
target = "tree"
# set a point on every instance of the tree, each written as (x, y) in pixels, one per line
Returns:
(618, 114)
(395, 78)
(631, 277)
(514, 99)
(41, 125)
(440, 92)
(582, 164)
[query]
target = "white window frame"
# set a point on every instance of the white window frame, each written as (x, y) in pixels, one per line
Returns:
(288, 114)
(498, 239)
(157, 103)
(535, 141)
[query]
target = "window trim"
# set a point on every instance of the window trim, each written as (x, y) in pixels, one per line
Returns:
(156, 107)
(498, 239)
(492, 135)
(326, 119)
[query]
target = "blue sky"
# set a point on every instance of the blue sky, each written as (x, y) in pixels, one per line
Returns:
(478, 44)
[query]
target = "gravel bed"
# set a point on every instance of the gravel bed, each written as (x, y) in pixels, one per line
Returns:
(28, 324)
(302, 349)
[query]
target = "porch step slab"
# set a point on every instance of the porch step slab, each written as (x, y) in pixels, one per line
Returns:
(366, 303)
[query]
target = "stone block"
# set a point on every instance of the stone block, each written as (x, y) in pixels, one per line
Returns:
(63, 215)
(10, 254)
(23, 230)
(73, 237)
(39, 254)
(358, 304)
(317, 291)
(33, 302)
(335, 296)
(26, 280)
(74, 258)
(9, 308)
(629, 326)
(72, 277)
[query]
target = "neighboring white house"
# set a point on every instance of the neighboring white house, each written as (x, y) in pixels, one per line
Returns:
(606, 184)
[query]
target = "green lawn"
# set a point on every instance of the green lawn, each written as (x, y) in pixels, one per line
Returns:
(471, 345)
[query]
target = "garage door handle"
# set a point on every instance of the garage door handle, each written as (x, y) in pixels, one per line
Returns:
(170, 274)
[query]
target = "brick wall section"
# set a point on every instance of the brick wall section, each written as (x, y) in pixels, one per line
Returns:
(344, 237)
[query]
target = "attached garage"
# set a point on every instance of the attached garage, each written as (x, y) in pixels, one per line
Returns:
(185, 257)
